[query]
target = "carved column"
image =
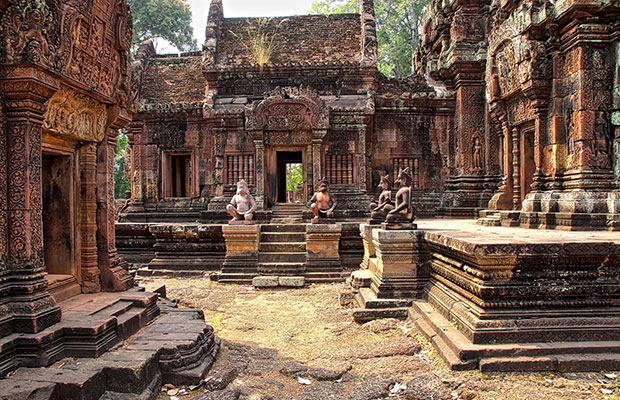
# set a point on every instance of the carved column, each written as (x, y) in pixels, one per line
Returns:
(539, 132)
(316, 162)
(113, 276)
(88, 227)
(3, 193)
(260, 174)
(362, 158)
(135, 177)
(22, 280)
(516, 172)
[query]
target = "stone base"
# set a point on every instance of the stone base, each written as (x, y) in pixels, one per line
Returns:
(399, 226)
(371, 307)
(241, 222)
(460, 354)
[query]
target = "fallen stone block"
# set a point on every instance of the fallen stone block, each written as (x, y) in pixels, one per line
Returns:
(265, 281)
(292, 281)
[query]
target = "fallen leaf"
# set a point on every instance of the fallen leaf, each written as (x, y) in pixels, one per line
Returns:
(304, 381)
(611, 376)
(398, 387)
(172, 392)
(606, 391)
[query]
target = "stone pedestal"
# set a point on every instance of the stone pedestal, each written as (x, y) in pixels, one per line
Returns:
(397, 275)
(402, 268)
(241, 248)
(322, 245)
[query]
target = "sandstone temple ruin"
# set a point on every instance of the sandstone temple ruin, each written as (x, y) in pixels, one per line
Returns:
(509, 129)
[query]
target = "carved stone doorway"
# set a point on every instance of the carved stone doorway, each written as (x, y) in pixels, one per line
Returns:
(59, 224)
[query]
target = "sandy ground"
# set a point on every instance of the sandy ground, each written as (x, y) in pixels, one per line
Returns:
(300, 344)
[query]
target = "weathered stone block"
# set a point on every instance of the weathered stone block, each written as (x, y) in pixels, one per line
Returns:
(292, 281)
(266, 281)
(322, 242)
(241, 240)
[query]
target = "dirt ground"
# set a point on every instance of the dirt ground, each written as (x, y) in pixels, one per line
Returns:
(300, 344)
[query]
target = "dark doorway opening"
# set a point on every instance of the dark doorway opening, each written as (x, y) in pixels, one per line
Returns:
(528, 164)
(59, 229)
(289, 165)
(58, 240)
(179, 176)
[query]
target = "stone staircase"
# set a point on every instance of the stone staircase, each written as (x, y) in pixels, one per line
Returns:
(490, 218)
(287, 213)
(282, 250)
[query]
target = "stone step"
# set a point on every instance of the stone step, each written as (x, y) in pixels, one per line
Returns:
(366, 298)
(282, 237)
(240, 270)
(273, 247)
(281, 268)
(362, 315)
(238, 278)
(281, 257)
(282, 228)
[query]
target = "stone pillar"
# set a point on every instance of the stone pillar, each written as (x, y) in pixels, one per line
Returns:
(135, 177)
(114, 276)
(28, 307)
(260, 174)
(241, 246)
(516, 172)
(90, 272)
(362, 159)
(317, 144)
(322, 245)
(402, 264)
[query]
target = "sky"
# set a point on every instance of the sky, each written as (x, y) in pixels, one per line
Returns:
(239, 8)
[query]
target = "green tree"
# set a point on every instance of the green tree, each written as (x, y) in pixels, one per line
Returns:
(166, 19)
(399, 23)
(294, 176)
(121, 182)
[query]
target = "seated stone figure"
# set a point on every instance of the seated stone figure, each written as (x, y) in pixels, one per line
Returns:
(380, 209)
(242, 205)
(403, 212)
(322, 203)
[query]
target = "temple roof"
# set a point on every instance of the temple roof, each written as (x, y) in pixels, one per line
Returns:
(298, 39)
(173, 79)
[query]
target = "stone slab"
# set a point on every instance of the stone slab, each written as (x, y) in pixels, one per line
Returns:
(292, 281)
(266, 281)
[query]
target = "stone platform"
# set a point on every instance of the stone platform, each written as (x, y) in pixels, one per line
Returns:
(503, 299)
(110, 356)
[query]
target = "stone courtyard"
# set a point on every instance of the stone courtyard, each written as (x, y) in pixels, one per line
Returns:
(301, 226)
(316, 340)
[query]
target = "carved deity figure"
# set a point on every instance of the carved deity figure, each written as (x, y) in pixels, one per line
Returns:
(477, 154)
(380, 209)
(242, 205)
(403, 212)
(322, 203)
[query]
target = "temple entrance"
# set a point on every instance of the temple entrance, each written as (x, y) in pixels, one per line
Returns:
(528, 164)
(58, 195)
(178, 178)
(290, 177)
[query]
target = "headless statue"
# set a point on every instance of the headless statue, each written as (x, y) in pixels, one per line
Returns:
(403, 211)
(242, 205)
(380, 209)
(322, 203)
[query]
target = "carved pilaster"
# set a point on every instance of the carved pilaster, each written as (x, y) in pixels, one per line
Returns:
(88, 209)
(516, 173)
(316, 162)
(260, 174)
(31, 308)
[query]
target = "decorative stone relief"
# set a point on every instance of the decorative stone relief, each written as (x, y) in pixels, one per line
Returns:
(72, 114)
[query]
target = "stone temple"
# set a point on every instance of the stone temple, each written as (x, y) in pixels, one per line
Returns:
(508, 132)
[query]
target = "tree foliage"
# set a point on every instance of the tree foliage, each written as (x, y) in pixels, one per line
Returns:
(294, 176)
(399, 23)
(166, 19)
(121, 182)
